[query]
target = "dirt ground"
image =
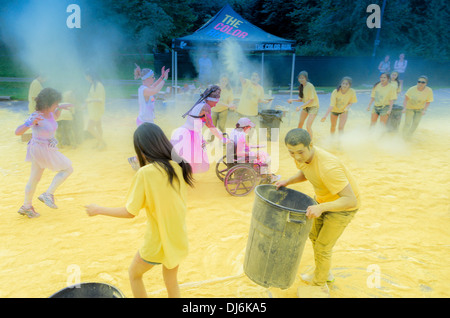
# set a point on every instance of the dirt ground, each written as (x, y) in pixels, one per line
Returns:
(397, 245)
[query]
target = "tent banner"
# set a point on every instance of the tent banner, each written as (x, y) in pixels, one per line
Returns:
(228, 24)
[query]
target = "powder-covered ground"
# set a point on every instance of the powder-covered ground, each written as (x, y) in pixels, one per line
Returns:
(400, 233)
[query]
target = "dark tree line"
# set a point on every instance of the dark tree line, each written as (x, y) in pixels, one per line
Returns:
(322, 28)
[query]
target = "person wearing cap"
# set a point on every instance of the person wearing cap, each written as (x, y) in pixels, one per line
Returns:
(242, 149)
(336, 193)
(147, 92)
(188, 140)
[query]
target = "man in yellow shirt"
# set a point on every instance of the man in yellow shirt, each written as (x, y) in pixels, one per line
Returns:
(336, 193)
(417, 100)
(252, 95)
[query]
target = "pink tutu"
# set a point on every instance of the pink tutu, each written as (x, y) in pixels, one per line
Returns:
(189, 145)
(46, 155)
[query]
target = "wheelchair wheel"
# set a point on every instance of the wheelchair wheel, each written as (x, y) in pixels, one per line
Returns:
(240, 180)
(221, 168)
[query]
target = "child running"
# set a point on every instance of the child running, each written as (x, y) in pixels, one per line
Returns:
(42, 151)
(159, 187)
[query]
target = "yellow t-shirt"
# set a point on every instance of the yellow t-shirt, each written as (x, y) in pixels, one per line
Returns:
(226, 98)
(165, 240)
(250, 97)
(383, 94)
(396, 86)
(339, 100)
(33, 92)
(328, 176)
(418, 99)
(96, 101)
(309, 92)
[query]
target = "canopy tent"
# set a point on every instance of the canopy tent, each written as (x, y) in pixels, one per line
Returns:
(229, 24)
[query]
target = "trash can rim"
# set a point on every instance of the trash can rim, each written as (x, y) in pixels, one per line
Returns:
(88, 283)
(277, 205)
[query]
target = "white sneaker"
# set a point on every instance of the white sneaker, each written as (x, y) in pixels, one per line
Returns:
(309, 277)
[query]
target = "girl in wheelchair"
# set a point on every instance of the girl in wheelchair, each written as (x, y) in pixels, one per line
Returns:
(240, 151)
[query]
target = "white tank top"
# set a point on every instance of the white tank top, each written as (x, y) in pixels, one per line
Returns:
(146, 108)
(189, 124)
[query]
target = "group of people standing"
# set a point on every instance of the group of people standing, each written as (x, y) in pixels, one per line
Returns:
(384, 95)
(167, 166)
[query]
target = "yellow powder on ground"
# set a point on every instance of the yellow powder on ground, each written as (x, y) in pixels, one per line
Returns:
(397, 245)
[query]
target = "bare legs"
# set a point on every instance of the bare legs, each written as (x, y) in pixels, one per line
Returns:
(96, 130)
(35, 177)
(30, 188)
(342, 121)
(139, 267)
(309, 122)
(374, 118)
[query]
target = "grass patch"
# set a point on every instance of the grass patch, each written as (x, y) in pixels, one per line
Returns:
(16, 90)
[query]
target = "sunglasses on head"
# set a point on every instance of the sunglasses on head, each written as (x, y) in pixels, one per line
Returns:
(421, 82)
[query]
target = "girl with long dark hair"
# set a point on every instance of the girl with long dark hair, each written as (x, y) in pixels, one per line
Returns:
(188, 139)
(160, 188)
(341, 100)
(307, 94)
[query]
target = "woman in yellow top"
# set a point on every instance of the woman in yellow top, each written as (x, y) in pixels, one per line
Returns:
(383, 96)
(341, 100)
(307, 94)
(96, 108)
(219, 113)
(417, 100)
(160, 188)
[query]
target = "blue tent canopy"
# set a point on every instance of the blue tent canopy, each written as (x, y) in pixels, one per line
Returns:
(229, 24)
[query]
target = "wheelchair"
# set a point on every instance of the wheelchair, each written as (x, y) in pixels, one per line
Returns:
(240, 177)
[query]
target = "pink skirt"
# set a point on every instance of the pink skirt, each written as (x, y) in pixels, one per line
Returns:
(189, 145)
(46, 155)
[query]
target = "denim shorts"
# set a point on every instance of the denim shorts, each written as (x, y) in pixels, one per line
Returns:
(380, 110)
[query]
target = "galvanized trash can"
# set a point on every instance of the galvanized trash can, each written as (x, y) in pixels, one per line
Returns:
(89, 290)
(278, 231)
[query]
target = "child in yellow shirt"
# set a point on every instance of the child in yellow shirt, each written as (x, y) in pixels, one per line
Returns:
(160, 188)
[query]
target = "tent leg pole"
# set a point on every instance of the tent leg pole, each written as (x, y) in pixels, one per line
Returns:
(292, 74)
(176, 73)
(172, 65)
(262, 69)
